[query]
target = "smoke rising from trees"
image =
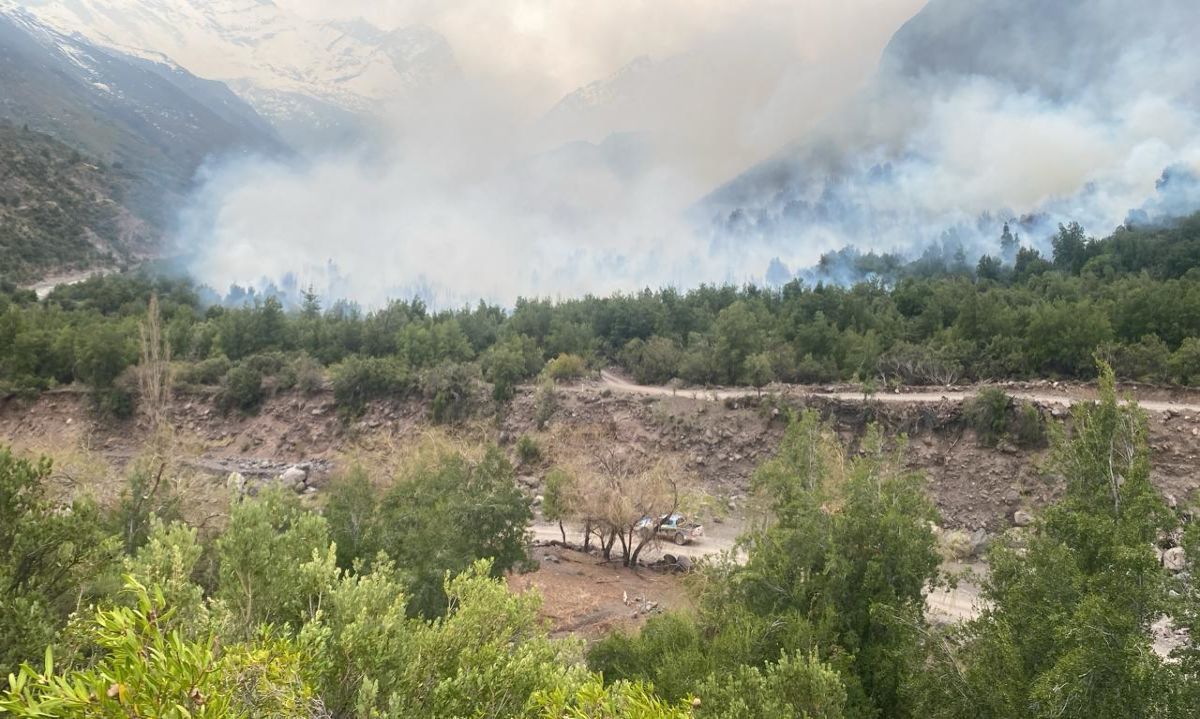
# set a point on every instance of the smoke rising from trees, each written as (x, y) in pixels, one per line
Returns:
(976, 115)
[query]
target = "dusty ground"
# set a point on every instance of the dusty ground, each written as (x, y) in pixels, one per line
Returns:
(588, 597)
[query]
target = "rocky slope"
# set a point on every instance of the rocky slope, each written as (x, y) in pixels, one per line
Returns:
(717, 443)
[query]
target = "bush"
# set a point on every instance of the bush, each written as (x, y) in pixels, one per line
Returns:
(544, 404)
(266, 363)
(448, 512)
(450, 388)
(1028, 426)
(309, 374)
(652, 361)
(357, 380)
(205, 372)
(528, 450)
(565, 367)
(987, 414)
(242, 388)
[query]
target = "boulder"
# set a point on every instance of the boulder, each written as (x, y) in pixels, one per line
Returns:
(979, 542)
(1021, 518)
(236, 483)
(295, 478)
(1174, 559)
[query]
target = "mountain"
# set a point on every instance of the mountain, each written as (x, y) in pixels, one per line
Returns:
(60, 211)
(982, 111)
(155, 120)
(300, 74)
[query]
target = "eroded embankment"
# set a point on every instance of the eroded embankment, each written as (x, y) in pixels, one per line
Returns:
(716, 443)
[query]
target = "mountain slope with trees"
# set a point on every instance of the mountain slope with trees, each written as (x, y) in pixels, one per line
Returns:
(61, 211)
(156, 121)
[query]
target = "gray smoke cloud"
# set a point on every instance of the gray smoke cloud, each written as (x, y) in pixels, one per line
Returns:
(491, 188)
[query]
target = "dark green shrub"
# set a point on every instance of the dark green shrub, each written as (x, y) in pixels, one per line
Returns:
(357, 380)
(987, 413)
(528, 450)
(266, 363)
(205, 372)
(1028, 426)
(451, 389)
(242, 388)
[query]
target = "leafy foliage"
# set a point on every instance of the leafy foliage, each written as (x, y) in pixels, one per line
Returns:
(1067, 632)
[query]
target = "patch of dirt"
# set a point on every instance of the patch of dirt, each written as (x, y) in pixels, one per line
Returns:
(587, 597)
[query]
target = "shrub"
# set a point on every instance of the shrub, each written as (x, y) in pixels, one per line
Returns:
(544, 404)
(357, 380)
(309, 373)
(651, 361)
(205, 372)
(266, 363)
(450, 388)
(565, 367)
(242, 388)
(1028, 426)
(528, 450)
(987, 414)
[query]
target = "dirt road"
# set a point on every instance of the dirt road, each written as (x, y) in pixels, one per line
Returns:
(1064, 398)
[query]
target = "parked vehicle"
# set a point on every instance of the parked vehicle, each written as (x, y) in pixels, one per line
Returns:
(675, 527)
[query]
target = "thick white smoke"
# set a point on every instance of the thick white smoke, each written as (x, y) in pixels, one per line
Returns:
(489, 189)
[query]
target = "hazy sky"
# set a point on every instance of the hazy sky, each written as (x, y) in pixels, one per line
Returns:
(482, 194)
(543, 49)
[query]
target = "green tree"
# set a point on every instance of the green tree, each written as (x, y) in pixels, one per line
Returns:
(49, 555)
(146, 670)
(1066, 632)
(448, 511)
(556, 498)
(260, 556)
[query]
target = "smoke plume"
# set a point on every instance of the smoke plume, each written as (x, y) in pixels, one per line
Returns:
(508, 182)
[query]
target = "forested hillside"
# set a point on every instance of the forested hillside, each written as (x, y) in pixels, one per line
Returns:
(61, 211)
(1132, 299)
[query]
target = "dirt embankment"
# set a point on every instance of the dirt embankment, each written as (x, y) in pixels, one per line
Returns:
(718, 443)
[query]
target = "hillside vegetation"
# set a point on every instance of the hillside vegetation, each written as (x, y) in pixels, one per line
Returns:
(1132, 298)
(60, 211)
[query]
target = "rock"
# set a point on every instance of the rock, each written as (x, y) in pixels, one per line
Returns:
(1174, 559)
(683, 562)
(1021, 518)
(1012, 496)
(537, 501)
(236, 483)
(552, 558)
(1171, 501)
(295, 478)
(979, 542)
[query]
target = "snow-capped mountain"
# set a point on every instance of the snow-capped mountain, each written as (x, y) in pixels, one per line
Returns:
(152, 119)
(284, 65)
